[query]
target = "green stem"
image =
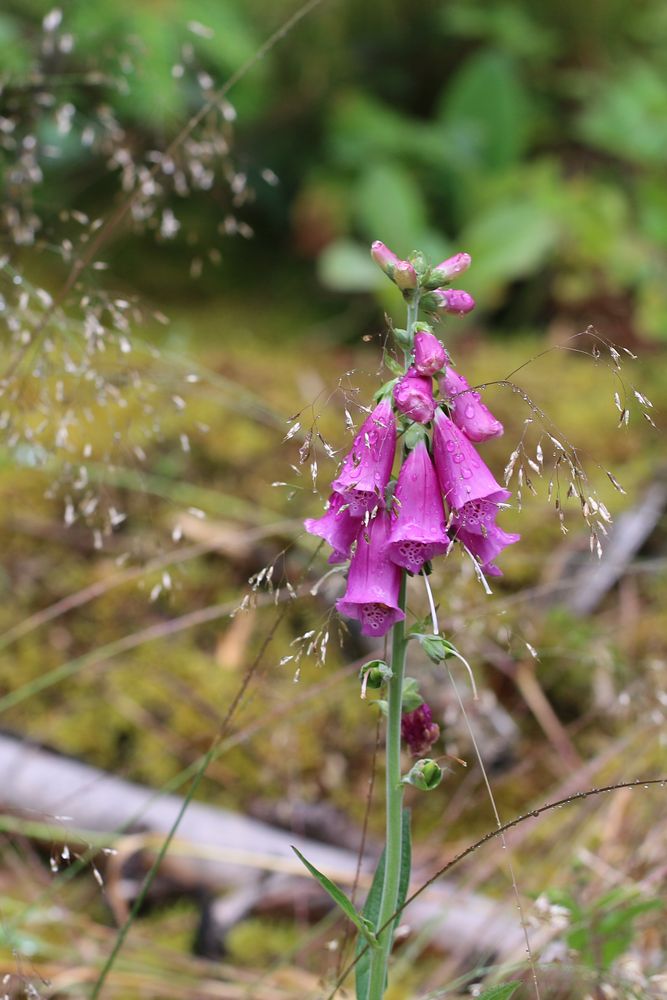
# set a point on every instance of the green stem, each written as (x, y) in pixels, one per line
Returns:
(394, 808)
(413, 316)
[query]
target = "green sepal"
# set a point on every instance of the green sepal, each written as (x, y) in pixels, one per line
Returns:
(403, 339)
(385, 390)
(436, 648)
(372, 905)
(419, 262)
(425, 774)
(376, 673)
(413, 435)
(360, 921)
(422, 327)
(394, 366)
(410, 697)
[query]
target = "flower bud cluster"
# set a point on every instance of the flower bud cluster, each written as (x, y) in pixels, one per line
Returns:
(415, 273)
(443, 492)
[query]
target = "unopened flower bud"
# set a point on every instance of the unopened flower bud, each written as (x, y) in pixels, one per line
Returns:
(374, 674)
(400, 271)
(452, 300)
(436, 648)
(413, 396)
(442, 273)
(404, 275)
(424, 774)
(384, 257)
(430, 356)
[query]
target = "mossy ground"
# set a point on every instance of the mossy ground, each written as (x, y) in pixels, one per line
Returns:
(151, 711)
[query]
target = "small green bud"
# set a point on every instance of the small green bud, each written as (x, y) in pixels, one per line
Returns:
(374, 674)
(435, 647)
(425, 774)
(419, 263)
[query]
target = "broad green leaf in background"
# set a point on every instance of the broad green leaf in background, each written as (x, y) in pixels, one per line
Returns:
(486, 108)
(510, 27)
(510, 241)
(390, 207)
(153, 39)
(346, 266)
(627, 114)
(372, 905)
(15, 51)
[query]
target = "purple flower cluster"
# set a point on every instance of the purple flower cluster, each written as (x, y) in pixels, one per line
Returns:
(385, 531)
(419, 730)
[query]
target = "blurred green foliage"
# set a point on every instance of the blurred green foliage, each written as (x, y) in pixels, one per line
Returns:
(533, 136)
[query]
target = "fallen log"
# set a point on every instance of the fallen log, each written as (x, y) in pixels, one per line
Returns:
(217, 850)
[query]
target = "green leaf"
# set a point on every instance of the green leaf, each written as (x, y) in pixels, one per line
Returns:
(411, 698)
(627, 116)
(341, 900)
(346, 266)
(372, 905)
(486, 112)
(511, 240)
(503, 992)
(391, 207)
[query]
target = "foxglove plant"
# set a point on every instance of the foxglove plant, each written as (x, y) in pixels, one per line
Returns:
(392, 514)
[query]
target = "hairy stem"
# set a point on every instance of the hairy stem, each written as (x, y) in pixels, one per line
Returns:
(394, 808)
(413, 315)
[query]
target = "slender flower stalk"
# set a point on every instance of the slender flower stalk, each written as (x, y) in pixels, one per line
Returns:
(393, 808)
(393, 784)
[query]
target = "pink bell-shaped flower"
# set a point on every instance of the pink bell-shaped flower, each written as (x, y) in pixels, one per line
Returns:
(413, 396)
(429, 354)
(373, 581)
(468, 411)
(484, 546)
(336, 526)
(366, 469)
(462, 474)
(418, 522)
